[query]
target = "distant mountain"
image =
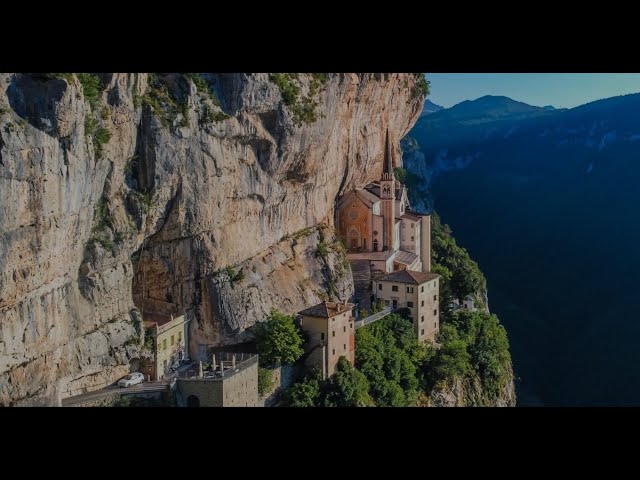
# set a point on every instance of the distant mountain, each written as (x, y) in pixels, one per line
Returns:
(547, 202)
(487, 108)
(549, 107)
(430, 107)
(469, 119)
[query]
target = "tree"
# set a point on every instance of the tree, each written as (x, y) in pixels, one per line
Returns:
(388, 354)
(347, 387)
(305, 393)
(278, 339)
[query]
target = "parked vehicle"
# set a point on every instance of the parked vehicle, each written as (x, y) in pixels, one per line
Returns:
(131, 379)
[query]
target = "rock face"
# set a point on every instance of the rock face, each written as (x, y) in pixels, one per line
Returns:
(192, 180)
(469, 393)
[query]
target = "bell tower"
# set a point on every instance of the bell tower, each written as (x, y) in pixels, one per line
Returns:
(388, 196)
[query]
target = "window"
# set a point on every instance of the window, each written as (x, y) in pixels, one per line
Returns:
(435, 297)
(164, 344)
(322, 336)
(345, 328)
(435, 312)
(179, 337)
(333, 333)
(422, 289)
(394, 288)
(422, 332)
(409, 289)
(172, 340)
(422, 303)
(351, 325)
(435, 325)
(422, 319)
(379, 286)
(344, 346)
(412, 225)
(413, 239)
(333, 352)
(410, 304)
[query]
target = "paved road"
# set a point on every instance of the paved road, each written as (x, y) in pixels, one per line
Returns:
(115, 390)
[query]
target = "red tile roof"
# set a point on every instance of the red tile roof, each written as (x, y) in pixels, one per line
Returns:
(409, 276)
(327, 309)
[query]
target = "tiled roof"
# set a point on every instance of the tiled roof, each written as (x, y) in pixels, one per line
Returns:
(327, 309)
(376, 256)
(410, 216)
(406, 258)
(409, 276)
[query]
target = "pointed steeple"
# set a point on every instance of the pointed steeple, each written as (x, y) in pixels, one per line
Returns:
(388, 163)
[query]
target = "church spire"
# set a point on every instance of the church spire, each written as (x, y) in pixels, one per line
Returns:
(388, 163)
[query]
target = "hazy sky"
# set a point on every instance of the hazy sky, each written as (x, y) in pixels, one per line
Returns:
(540, 89)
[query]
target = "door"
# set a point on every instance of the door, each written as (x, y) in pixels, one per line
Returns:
(395, 304)
(354, 243)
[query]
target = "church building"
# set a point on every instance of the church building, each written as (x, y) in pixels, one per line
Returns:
(383, 235)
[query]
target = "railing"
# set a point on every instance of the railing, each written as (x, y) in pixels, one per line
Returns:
(373, 318)
(242, 361)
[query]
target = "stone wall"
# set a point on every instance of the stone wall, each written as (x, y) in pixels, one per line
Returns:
(237, 390)
(283, 377)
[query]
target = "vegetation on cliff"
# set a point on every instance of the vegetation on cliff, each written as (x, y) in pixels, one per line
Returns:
(461, 276)
(393, 369)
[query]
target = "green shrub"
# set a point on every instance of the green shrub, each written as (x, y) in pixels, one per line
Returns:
(152, 80)
(100, 138)
(265, 380)
(302, 109)
(322, 250)
(203, 86)
(305, 393)
(421, 87)
(91, 87)
(148, 201)
(104, 113)
(90, 126)
(234, 276)
(102, 215)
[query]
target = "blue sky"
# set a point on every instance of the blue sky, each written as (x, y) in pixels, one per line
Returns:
(540, 89)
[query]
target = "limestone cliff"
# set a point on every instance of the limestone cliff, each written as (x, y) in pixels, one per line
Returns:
(469, 393)
(210, 192)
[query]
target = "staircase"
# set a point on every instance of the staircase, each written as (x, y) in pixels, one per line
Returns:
(362, 283)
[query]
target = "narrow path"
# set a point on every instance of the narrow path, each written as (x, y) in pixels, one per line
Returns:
(373, 318)
(113, 390)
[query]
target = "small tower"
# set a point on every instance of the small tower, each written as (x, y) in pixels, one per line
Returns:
(388, 196)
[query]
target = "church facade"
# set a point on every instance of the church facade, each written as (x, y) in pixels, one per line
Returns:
(377, 224)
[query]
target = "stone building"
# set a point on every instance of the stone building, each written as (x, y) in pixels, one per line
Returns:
(232, 382)
(381, 231)
(170, 343)
(330, 331)
(416, 291)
